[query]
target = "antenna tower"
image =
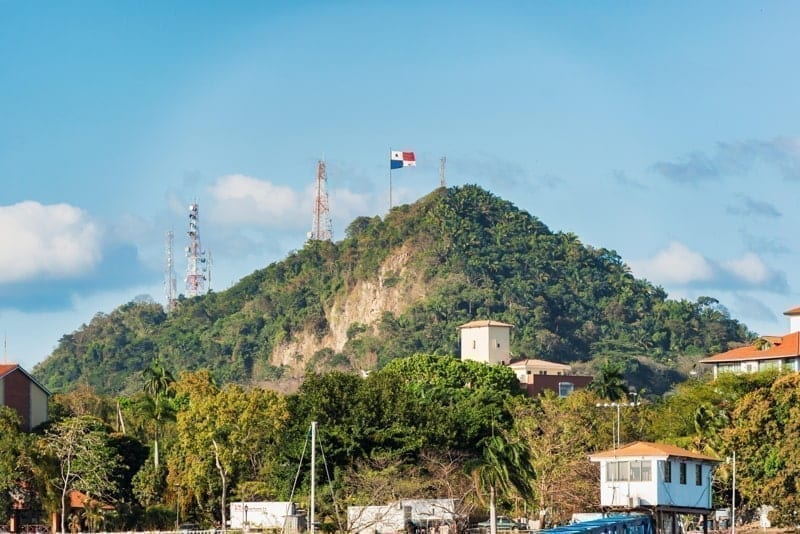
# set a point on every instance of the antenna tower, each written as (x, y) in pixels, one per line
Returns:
(442, 178)
(170, 284)
(321, 227)
(196, 270)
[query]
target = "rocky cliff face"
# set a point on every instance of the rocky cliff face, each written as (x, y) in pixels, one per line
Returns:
(394, 289)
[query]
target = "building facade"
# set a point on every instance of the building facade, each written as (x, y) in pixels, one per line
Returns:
(486, 342)
(489, 342)
(651, 475)
(20, 391)
(536, 376)
(768, 352)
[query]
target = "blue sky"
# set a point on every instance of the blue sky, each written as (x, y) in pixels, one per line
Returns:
(665, 131)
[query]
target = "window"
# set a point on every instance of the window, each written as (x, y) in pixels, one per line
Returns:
(633, 471)
(698, 475)
(496, 344)
(565, 388)
(473, 343)
(667, 471)
(682, 473)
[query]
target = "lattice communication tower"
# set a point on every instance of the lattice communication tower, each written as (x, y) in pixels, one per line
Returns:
(170, 283)
(197, 268)
(321, 227)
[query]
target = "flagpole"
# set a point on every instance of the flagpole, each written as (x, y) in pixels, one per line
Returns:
(390, 178)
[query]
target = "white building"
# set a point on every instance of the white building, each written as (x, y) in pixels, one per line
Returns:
(650, 475)
(259, 515)
(393, 517)
(486, 342)
(769, 352)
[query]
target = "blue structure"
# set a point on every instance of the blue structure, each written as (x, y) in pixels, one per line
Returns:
(615, 524)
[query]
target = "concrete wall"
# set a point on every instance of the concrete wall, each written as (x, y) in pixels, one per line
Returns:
(486, 344)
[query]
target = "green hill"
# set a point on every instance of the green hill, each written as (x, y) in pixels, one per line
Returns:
(396, 286)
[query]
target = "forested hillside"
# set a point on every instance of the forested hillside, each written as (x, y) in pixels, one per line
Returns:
(397, 286)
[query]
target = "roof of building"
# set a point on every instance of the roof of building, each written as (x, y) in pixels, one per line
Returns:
(78, 499)
(787, 346)
(793, 311)
(480, 324)
(645, 448)
(528, 362)
(8, 368)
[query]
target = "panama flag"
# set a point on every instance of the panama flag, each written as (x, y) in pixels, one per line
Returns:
(402, 159)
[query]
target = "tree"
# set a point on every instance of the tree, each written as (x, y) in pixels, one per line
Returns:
(560, 434)
(158, 385)
(15, 447)
(610, 384)
(765, 433)
(224, 437)
(505, 466)
(85, 460)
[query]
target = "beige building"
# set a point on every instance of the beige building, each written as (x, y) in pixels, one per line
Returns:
(486, 342)
(536, 376)
(489, 342)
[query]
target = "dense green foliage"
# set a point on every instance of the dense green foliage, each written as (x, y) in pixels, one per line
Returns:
(476, 257)
(422, 427)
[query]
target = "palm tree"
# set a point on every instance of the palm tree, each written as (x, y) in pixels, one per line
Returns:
(708, 426)
(505, 466)
(158, 382)
(610, 384)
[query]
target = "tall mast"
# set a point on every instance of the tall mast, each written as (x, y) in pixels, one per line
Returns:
(321, 225)
(170, 284)
(442, 177)
(196, 268)
(313, 474)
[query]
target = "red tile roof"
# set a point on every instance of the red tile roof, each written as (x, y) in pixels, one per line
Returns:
(78, 499)
(645, 448)
(6, 368)
(793, 311)
(787, 347)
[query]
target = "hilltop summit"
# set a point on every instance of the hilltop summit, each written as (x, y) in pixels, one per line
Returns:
(395, 286)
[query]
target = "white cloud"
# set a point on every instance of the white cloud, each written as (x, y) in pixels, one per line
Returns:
(675, 265)
(678, 266)
(53, 241)
(349, 205)
(749, 268)
(240, 199)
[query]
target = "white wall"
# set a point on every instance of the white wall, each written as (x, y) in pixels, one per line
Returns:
(656, 492)
(261, 514)
(38, 413)
(689, 494)
(486, 344)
